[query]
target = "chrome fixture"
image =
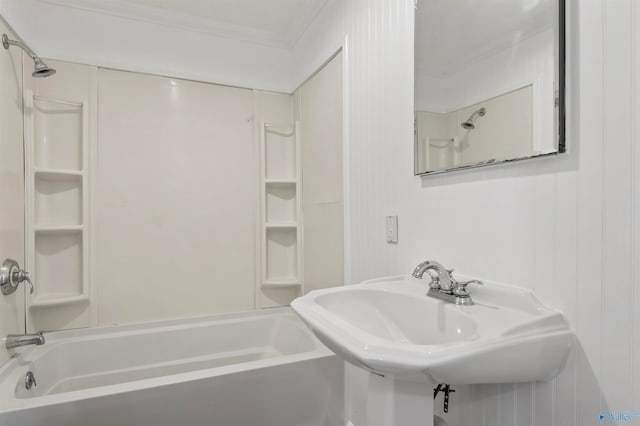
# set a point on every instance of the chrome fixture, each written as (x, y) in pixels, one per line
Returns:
(40, 69)
(443, 286)
(442, 275)
(30, 380)
(17, 340)
(11, 276)
(469, 123)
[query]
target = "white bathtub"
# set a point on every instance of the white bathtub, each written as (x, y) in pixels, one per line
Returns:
(262, 368)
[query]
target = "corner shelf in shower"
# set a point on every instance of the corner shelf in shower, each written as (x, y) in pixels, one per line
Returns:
(281, 230)
(56, 135)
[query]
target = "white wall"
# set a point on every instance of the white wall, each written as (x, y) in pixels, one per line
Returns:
(175, 198)
(378, 119)
(377, 36)
(566, 227)
(111, 41)
(11, 185)
(318, 105)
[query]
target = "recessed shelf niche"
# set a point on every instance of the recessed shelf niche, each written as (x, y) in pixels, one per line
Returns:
(281, 205)
(282, 255)
(57, 134)
(280, 151)
(58, 260)
(58, 199)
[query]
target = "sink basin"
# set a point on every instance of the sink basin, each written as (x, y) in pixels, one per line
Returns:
(389, 326)
(397, 317)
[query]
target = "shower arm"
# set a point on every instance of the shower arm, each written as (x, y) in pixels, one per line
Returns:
(6, 42)
(40, 69)
(479, 112)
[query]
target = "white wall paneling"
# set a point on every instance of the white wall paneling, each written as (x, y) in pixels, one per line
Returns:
(635, 212)
(377, 40)
(565, 227)
(377, 37)
(175, 198)
(318, 105)
(11, 184)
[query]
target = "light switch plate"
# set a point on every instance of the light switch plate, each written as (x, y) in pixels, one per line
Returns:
(392, 229)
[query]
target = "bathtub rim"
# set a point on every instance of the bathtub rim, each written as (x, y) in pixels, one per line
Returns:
(17, 365)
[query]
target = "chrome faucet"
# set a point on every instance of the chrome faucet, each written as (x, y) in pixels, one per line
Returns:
(443, 285)
(17, 340)
(443, 276)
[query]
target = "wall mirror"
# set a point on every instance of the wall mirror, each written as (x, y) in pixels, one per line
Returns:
(489, 82)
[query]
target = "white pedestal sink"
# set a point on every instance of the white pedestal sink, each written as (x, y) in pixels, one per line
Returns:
(409, 342)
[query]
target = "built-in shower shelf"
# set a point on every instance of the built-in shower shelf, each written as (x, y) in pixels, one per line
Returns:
(58, 229)
(56, 300)
(281, 225)
(56, 131)
(57, 173)
(280, 181)
(281, 205)
(282, 283)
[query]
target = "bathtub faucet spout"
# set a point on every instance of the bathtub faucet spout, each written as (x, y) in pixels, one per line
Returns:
(17, 340)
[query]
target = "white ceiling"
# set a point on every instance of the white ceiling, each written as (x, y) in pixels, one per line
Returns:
(450, 34)
(272, 22)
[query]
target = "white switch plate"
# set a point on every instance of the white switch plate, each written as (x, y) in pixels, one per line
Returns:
(392, 229)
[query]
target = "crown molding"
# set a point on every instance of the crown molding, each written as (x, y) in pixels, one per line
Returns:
(186, 22)
(304, 21)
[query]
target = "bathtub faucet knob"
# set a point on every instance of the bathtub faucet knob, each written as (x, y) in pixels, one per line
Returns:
(11, 275)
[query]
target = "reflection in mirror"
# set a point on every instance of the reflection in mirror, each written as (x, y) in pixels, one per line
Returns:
(489, 80)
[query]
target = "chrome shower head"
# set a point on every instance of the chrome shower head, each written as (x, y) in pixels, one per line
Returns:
(40, 69)
(468, 125)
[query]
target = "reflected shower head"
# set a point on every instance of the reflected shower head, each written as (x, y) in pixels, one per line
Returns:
(469, 123)
(40, 69)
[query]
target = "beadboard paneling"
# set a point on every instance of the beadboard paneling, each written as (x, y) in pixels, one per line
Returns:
(377, 41)
(567, 228)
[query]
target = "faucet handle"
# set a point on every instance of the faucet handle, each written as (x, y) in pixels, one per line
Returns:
(23, 275)
(11, 275)
(461, 290)
(435, 280)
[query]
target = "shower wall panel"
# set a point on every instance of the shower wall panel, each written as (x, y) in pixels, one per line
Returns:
(319, 107)
(175, 198)
(11, 185)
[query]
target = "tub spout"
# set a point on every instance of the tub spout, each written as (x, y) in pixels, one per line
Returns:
(17, 340)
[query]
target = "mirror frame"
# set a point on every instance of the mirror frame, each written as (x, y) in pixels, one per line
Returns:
(560, 99)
